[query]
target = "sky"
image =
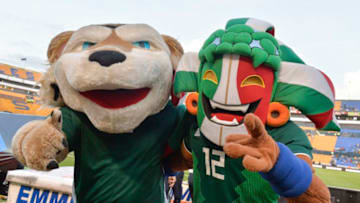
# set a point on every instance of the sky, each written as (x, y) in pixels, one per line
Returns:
(324, 33)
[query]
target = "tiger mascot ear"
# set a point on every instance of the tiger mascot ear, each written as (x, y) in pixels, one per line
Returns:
(176, 52)
(49, 91)
(57, 45)
(175, 48)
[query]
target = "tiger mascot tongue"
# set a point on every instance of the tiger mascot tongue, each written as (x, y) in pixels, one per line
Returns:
(112, 85)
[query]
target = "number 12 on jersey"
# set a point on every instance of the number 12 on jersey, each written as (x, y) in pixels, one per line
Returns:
(211, 163)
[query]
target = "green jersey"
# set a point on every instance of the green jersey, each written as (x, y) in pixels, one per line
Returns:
(219, 178)
(120, 167)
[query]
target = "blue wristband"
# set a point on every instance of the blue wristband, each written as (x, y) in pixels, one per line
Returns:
(290, 176)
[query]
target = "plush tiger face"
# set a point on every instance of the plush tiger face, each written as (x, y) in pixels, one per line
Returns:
(116, 74)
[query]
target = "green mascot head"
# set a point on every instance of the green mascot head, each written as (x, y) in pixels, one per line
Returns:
(241, 70)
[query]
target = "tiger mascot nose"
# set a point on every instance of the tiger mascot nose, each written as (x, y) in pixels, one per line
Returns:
(107, 58)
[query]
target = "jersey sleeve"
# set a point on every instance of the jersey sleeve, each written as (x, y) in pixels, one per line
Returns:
(293, 137)
(70, 126)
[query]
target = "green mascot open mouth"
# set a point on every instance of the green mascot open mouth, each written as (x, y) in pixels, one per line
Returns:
(229, 115)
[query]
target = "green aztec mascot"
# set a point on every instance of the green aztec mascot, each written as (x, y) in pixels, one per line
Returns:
(112, 84)
(245, 81)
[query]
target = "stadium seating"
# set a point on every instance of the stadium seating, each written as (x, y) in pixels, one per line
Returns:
(14, 102)
(322, 158)
(345, 161)
(346, 150)
(323, 143)
(342, 149)
(348, 144)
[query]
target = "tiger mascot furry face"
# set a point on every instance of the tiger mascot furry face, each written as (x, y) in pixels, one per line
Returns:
(116, 74)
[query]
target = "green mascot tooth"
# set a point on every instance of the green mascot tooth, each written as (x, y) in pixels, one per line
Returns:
(259, 56)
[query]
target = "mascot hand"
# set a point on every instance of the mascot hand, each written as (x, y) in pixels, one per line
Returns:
(258, 150)
(288, 175)
(40, 144)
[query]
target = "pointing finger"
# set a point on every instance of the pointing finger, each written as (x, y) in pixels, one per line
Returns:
(234, 150)
(239, 138)
(254, 126)
(255, 164)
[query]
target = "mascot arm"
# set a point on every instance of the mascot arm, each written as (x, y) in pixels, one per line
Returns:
(41, 144)
(179, 160)
(178, 154)
(289, 175)
(317, 191)
(71, 127)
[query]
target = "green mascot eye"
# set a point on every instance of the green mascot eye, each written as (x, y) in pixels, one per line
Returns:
(142, 44)
(87, 45)
(211, 76)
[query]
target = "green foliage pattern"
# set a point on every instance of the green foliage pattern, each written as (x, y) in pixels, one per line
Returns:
(241, 39)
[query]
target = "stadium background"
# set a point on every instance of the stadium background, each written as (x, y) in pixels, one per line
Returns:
(336, 155)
